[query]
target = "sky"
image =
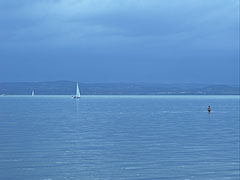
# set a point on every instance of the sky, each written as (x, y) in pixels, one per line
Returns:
(93, 41)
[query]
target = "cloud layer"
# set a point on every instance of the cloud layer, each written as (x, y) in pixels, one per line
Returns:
(157, 30)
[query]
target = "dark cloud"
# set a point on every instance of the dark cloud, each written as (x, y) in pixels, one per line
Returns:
(129, 40)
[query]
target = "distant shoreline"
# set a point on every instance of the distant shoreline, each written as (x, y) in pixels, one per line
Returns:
(69, 88)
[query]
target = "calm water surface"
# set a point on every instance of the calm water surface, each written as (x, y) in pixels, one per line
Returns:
(119, 138)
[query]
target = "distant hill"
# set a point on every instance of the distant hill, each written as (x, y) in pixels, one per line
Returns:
(69, 88)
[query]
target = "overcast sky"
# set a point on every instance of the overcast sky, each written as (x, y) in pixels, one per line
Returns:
(164, 41)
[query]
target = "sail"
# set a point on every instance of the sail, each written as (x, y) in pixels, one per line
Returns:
(78, 92)
(32, 93)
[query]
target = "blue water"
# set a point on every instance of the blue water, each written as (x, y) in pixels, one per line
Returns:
(119, 138)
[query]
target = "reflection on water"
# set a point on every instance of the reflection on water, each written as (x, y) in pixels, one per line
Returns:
(119, 137)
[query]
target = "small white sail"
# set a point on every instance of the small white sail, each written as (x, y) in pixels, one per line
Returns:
(78, 92)
(33, 93)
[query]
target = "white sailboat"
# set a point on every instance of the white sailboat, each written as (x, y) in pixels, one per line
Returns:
(78, 95)
(33, 93)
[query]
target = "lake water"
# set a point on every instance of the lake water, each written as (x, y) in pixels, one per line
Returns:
(119, 138)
